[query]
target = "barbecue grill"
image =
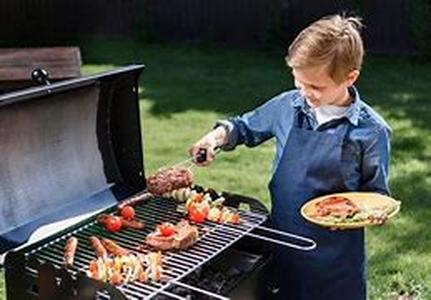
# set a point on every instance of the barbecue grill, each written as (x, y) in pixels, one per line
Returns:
(75, 147)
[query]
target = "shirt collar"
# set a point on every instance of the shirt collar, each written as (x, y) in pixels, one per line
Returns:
(352, 113)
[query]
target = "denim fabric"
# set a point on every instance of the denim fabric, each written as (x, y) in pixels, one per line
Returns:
(365, 150)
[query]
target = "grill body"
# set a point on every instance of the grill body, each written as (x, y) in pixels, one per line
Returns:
(75, 147)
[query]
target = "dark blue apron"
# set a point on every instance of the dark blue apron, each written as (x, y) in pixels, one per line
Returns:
(310, 166)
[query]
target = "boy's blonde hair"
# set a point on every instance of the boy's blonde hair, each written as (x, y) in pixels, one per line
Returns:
(334, 41)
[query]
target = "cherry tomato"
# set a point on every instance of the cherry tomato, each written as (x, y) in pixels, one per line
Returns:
(195, 215)
(128, 212)
(113, 224)
(166, 229)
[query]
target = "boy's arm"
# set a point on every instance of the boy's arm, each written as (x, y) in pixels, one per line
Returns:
(254, 127)
(375, 164)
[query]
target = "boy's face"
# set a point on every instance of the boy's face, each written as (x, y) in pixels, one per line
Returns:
(319, 88)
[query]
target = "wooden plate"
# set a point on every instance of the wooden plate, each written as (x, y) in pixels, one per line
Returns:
(367, 202)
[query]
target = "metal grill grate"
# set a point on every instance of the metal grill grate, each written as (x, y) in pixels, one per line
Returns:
(214, 238)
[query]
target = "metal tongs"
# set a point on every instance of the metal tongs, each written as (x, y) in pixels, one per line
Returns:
(190, 162)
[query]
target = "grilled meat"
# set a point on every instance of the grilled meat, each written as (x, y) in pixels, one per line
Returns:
(184, 236)
(135, 200)
(169, 179)
(337, 207)
(113, 248)
(69, 251)
(134, 224)
(98, 247)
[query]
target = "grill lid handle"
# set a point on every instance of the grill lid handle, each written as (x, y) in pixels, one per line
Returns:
(40, 76)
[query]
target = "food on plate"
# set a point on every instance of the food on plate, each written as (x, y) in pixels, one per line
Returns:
(127, 212)
(127, 268)
(169, 179)
(98, 247)
(69, 251)
(336, 206)
(168, 236)
(342, 210)
(113, 248)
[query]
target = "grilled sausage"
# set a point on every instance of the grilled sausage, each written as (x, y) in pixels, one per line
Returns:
(134, 224)
(113, 247)
(98, 247)
(134, 200)
(69, 251)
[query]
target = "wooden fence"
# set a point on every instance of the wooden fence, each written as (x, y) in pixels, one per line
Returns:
(245, 23)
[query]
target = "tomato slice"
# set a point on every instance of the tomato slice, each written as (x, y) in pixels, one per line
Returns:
(166, 229)
(113, 223)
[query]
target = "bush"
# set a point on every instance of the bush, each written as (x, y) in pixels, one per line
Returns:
(419, 17)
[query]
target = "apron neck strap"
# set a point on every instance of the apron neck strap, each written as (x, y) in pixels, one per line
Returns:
(341, 125)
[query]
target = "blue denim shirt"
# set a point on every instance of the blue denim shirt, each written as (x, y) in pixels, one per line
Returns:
(365, 152)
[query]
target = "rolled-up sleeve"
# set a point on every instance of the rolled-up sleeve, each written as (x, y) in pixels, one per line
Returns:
(375, 165)
(253, 127)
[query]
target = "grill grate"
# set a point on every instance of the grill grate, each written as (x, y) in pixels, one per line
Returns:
(214, 238)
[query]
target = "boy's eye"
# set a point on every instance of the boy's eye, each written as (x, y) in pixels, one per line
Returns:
(314, 87)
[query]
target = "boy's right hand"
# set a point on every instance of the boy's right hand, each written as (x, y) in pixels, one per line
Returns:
(203, 152)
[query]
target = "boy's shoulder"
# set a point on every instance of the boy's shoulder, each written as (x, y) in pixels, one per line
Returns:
(292, 97)
(368, 117)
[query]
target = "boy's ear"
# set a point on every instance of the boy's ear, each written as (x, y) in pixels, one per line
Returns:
(352, 77)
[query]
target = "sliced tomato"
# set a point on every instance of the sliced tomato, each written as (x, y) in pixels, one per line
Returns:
(128, 212)
(113, 223)
(166, 229)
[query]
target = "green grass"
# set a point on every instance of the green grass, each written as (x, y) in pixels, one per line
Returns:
(186, 88)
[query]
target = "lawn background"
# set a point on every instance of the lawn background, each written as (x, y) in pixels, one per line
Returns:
(185, 88)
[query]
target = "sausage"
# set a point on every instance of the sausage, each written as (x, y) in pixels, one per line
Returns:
(98, 246)
(113, 247)
(135, 200)
(134, 224)
(69, 251)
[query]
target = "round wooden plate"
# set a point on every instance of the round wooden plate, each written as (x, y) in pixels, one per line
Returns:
(366, 201)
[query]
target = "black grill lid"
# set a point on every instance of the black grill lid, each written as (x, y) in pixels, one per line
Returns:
(68, 148)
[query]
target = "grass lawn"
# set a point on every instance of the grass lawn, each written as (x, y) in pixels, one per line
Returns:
(186, 88)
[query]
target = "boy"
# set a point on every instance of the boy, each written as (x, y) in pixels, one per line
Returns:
(327, 141)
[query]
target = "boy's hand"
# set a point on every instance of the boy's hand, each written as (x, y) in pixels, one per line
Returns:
(206, 146)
